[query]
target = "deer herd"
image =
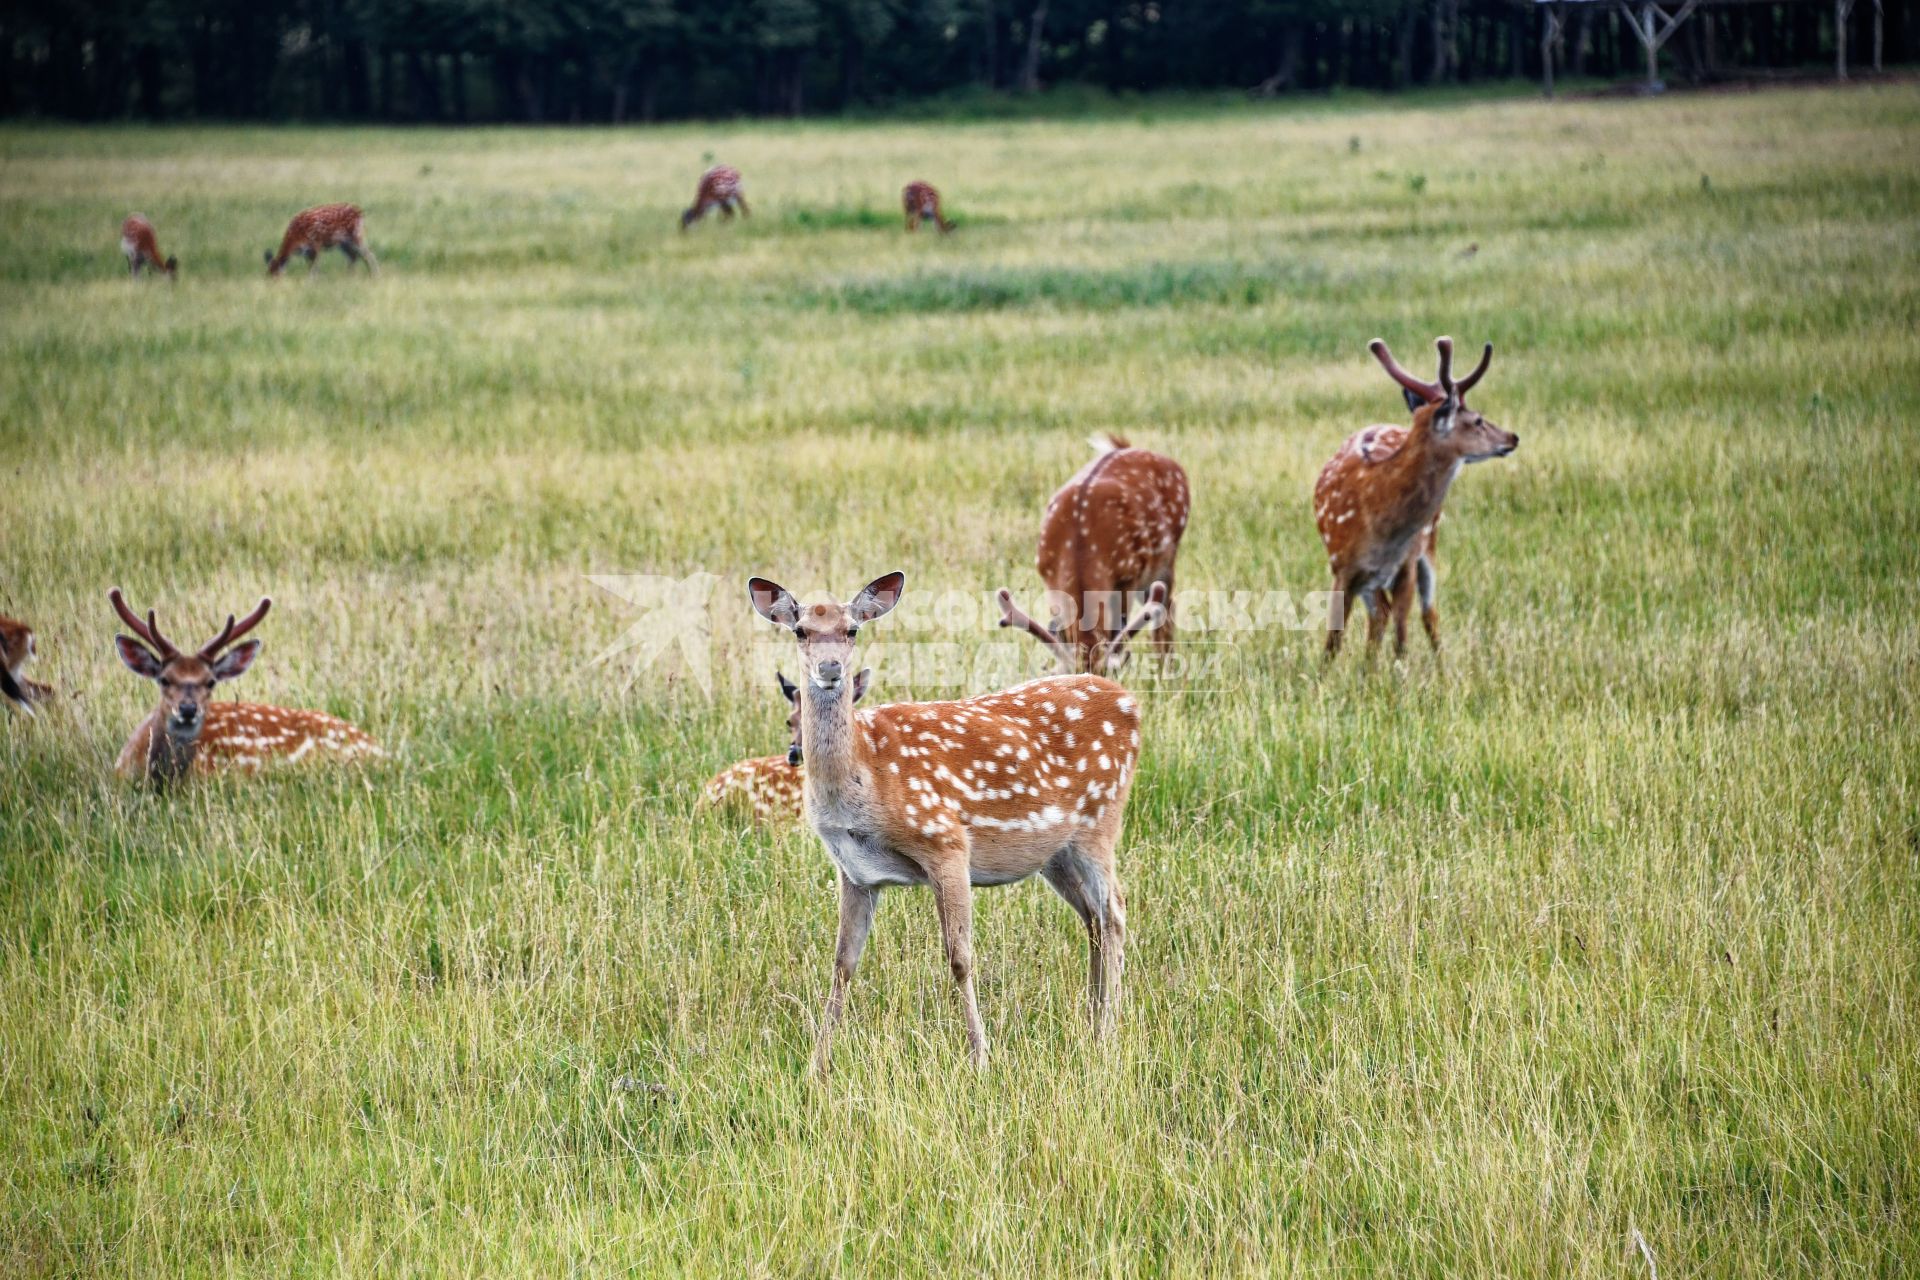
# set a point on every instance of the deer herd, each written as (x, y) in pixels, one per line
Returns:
(981, 791)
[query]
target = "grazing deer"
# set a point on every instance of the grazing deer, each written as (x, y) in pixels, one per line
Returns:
(982, 791)
(1378, 499)
(16, 651)
(327, 226)
(773, 787)
(1108, 538)
(719, 189)
(189, 731)
(922, 201)
(142, 248)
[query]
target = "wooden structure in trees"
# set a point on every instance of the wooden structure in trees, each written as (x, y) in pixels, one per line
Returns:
(1653, 23)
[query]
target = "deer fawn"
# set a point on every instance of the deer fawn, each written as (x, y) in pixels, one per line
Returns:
(773, 787)
(982, 791)
(142, 248)
(922, 201)
(1109, 537)
(327, 226)
(719, 189)
(189, 731)
(1378, 499)
(16, 651)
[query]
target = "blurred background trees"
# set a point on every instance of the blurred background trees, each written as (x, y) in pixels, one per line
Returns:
(615, 60)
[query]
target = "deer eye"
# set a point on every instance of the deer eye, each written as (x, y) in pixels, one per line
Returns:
(166, 682)
(852, 632)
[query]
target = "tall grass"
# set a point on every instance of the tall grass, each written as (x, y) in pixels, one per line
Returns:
(1604, 931)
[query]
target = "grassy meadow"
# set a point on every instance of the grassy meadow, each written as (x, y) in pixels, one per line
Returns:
(1596, 948)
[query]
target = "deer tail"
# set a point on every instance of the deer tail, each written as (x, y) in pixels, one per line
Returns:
(1107, 442)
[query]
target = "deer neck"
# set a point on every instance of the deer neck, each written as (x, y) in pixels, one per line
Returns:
(1419, 473)
(170, 752)
(827, 729)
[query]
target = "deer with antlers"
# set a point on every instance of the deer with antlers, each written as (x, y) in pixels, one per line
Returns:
(1378, 499)
(983, 791)
(921, 200)
(1108, 542)
(326, 226)
(719, 189)
(142, 249)
(189, 732)
(772, 788)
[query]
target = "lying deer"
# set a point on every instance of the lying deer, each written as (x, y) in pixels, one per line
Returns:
(189, 731)
(982, 791)
(142, 248)
(1108, 539)
(16, 651)
(773, 787)
(327, 226)
(1378, 499)
(922, 201)
(719, 189)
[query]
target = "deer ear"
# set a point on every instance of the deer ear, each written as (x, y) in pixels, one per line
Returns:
(877, 598)
(233, 664)
(788, 689)
(1415, 401)
(773, 602)
(138, 657)
(860, 683)
(1443, 413)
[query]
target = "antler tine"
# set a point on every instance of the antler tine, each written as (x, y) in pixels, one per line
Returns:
(1466, 384)
(1152, 613)
(233, 631)
(1012, 615)
(1447, 386)
(146, 629)
(1379, 348)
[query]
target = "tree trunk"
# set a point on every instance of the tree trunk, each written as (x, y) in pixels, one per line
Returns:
(1403, 48)
(1283, 75)
(1030, 66)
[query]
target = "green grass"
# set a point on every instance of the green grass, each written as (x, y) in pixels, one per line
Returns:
(1612, 927)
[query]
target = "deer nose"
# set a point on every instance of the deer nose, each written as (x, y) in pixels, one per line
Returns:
(793, 755)
(828, 672)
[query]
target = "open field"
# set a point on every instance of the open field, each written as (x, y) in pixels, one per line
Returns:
(1610, 931)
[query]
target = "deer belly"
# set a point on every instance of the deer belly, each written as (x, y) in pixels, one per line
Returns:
(127, 248)
(865, 859)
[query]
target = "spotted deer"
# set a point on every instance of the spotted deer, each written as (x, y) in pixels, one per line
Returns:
(772, 788)
(142, 249)
(982, 791)
(719, 189)
(1378, 499)
(1107, 544)
(327, 226)
(190, 732)
(921, 201)
(17, 649)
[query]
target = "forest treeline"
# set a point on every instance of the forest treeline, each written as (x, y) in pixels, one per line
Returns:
(616, 60)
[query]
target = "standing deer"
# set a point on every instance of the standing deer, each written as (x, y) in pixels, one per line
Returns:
(719, 189)
(16, 651)
(189, 731)
(1108, 538)
(142, 248)
(1378, 499)
(773, 787)
(922, 201)
(982, 791)
(327, 226)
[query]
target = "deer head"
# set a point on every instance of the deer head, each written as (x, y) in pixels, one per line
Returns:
(1108, 655)
(186, 680)
(1440, 407)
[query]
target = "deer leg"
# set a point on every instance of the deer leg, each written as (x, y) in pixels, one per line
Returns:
(1375, 604)
(1163, 634)
(913, 222)
(953, 897)
(1336, 619)
(742, 202)
(856, 921)
(1429, 613)
(1402, 598)
(1063, 873)
(363, 254)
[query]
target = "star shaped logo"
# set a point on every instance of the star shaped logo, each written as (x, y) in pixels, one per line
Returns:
(672, 612)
